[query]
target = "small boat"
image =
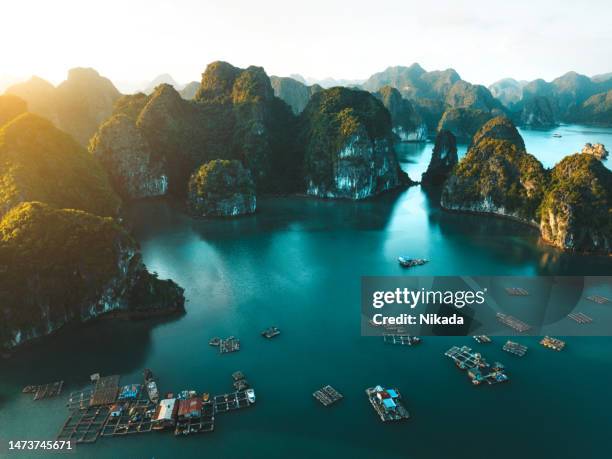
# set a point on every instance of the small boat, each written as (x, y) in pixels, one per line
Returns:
(151, 386)
(250, 393)
(410, 262)
(557, 135)
(270, 332)
(205, 396)
(216, 341)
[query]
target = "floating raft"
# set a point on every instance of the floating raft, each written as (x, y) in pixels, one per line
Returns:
(270, 332)
(580, 317)
(44, 390)
(387, 403)
(105, 390)
(327, 395)
(475, 364)
(553, 343)
(515, 348)
(464, 357)
(230, 344)
(482, 339)
(517, 291)
(512, 322)
(240, 381)
(599, 299)
(84, 425)
(202, 424)
(229, 402)
(214, 341)
(402, 340)
(129, 418)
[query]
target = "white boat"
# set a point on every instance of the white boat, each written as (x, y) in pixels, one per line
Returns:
(410, 262)
(250, 393)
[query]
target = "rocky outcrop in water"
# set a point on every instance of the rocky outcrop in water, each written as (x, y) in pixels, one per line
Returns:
(348, 145)
(221, 188)
(295, 93)
(497, 175)
(443, 159)
(575, 211)
(408, 125)
(68, 266)
(463, 123)
(537, 112)
(598, 151)
(77, 106)
(125, 153)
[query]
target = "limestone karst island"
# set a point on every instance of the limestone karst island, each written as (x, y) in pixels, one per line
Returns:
(199, 200)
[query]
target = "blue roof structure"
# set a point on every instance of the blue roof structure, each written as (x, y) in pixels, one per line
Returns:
(392, 393)
(389, 403)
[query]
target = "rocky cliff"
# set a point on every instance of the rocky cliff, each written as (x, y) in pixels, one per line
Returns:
(408, 124)
(537, 112)
(38, 162)
(575, 211)
(221, 188)
(77, 106)
(65, 266)
(443, 159)
(597, 110)
(463, 123)
(293, 92)
(125, 153)
(497, 175)
(348, 145)
(598, 151)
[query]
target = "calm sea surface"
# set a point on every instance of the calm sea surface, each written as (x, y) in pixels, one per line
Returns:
(297, 264)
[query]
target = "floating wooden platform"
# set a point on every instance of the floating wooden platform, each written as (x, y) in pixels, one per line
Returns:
(402, 340)
(553, 343)
(136, 417)
(84, 425)
(230, 344)
(105, 391)
(270, 332)
(517, 291)
(464, 358)
(205, 423)
(513, 322)
(599, 299)
(44, 390)
(398, 413)
(229, 402)
(482, 339)
(515, 348)
(580, 317)
(327, 395)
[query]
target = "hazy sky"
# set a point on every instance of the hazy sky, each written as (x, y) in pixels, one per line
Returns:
(135, 40)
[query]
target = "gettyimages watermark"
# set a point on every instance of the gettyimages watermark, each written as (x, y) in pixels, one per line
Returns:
(481, 305)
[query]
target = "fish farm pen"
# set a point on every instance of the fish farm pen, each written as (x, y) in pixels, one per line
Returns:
(515, 348)
(580, 317)
(478, 370)
(517, 291)
(402, 340)
(599, 299)
(327, 395)
(482, 339)
(513, 322)
(553, 343)
(44, 390)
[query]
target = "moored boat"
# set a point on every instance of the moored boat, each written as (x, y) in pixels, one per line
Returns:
(410, 262)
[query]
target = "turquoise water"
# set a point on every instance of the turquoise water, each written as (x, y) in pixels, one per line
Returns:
(297, 264)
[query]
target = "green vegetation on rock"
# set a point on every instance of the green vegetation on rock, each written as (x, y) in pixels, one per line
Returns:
(221, 188)
(576, 211)
(463, 122)
(11, 107)
(38, 162)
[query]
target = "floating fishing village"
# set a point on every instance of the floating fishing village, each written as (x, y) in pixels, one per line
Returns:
(107, 408)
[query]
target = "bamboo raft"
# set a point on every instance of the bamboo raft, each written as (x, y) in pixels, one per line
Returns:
(482, 339)
(598, 299)
(402, 340)
(84, 425)
(230, 402)
(512, 322)
(517, 291)
(580, 318)
(553, 343)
